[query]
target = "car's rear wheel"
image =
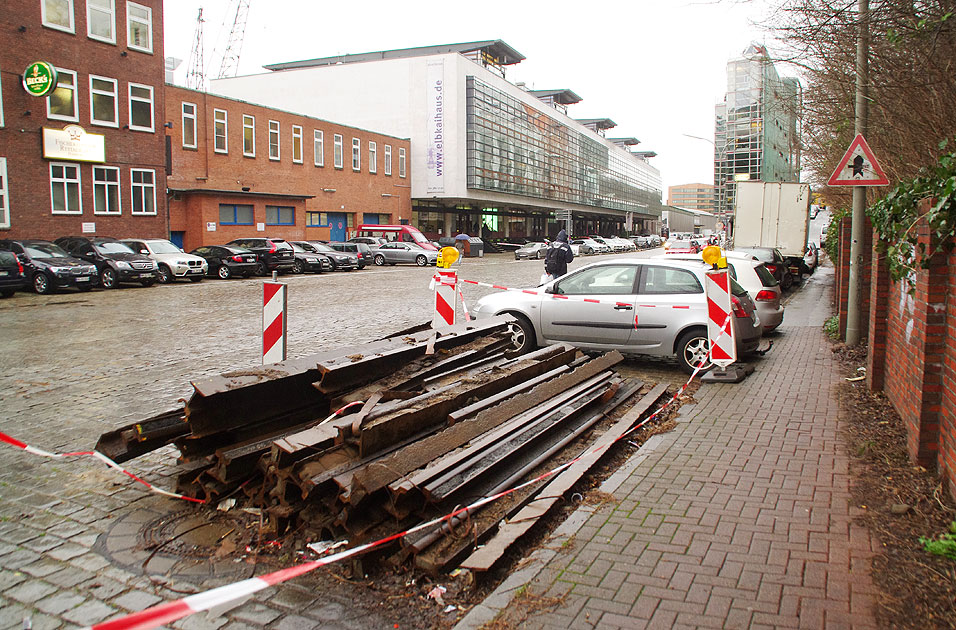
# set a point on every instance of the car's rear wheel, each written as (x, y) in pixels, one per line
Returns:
(261, 269)
(787, 282)
(41, 283)
(522, 335)
(380, 260)
(165, 275)
(693, 349)
(108, 278)
(224, 272)
(421, 260)
(537, 255)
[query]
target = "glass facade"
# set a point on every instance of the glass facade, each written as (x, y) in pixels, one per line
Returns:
(756, 128)
(515, 148)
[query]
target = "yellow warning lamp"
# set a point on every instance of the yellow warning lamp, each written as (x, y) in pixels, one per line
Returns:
(712, 256)
(447, 257)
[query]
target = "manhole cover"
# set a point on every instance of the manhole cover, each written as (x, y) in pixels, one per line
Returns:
(191, 534)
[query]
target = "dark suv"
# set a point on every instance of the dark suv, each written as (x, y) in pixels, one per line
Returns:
(11, 274)
(275, 254)
(360, 250)
(115, 262)
(48, 267)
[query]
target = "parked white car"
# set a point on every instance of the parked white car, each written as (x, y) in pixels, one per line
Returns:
(619, 244)
(588, 246)
(172, 262)
(639, 306)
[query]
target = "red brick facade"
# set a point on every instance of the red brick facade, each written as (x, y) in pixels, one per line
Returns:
(27, 189)
(326, 200)
(912, 349)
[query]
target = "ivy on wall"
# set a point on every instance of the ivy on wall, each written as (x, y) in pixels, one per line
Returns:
(896, 215)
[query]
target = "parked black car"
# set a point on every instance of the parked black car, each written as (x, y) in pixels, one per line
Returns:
(340, 260)
(308, 258)
(774, 261)
(12, 277)
(115, 262)
(275, 254)
(226, 262)
(48, 267)
(361, 251)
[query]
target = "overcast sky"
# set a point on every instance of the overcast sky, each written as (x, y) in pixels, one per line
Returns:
(655, 67)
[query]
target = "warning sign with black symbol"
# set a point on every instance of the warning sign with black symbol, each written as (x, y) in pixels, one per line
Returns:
(858, 167)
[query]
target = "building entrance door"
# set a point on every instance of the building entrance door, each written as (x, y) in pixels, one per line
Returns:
(337, 226)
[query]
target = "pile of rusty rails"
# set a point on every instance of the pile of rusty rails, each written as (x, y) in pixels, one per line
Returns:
(363, 442)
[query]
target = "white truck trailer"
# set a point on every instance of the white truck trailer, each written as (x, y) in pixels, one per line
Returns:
(774, 214)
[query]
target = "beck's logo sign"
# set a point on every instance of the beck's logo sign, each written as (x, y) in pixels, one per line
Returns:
(39, 79)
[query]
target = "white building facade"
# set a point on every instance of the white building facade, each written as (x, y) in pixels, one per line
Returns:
(485, 154)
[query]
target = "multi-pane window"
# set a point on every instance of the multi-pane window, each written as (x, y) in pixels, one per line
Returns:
(232, 214)
(106, 190)
(274, 140)
(220, 122)
(401, 162)
(315, 219)
(372, 157)
(248, 135)
(318, 147)
(62, 103)
(139, 27)
(189, 125)
(140, 107)
(57, 14)
(356, 154)
(101, 20)
(297, 144)
(4, 195)
(103, 101)
(280, 215)
(143, 193)
(337, 158)
(388, 159)
(65, 188)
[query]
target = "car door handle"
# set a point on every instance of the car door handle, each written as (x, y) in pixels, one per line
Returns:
(623, 307)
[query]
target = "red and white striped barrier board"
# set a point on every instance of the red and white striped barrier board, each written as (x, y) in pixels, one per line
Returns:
(446, 298)
(720, 329)
(274, 307)
(96, 455)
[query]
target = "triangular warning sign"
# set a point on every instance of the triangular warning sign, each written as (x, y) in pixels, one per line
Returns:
(858, 167)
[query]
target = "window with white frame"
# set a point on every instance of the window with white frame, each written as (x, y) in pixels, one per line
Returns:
(337, 158)
(101, 20)
(388, 159)
(139, 27)
(103, 97)
(140, 107)
(57, 14)
(248, 135)
(143, 190)
(372, 157)
(4, 195)
(65, 188)
(297, 144)
(220, 122)
(401, 161)
(356, 154)
(62, 103)
(106, 190)
(274, 140)
(189, 125)
(318, 147)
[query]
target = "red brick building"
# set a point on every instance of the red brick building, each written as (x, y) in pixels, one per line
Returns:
(242, 170)
(89, 157)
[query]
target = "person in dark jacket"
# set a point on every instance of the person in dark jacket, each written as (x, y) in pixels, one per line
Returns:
(558, 256)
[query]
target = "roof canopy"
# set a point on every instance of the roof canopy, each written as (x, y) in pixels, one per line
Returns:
(625, 142)
(562, 97)
(499, 52)
(597, 123)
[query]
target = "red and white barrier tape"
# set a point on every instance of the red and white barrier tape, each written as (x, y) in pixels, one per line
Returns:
(231, 593)
(96, 455)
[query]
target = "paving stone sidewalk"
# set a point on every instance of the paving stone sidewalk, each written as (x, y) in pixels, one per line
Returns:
(739, 518)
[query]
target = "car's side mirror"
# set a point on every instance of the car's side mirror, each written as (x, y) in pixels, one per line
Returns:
(549, 289)
(145, 251)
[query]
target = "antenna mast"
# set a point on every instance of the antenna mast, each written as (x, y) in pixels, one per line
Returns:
(196, 78)
(230, 58)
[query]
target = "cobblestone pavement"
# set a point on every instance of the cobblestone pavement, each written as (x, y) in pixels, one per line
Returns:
(739, 518)
(73, 366)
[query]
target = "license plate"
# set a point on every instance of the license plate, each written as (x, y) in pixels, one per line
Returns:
(145, 275)
(4, 273)
(83, 279)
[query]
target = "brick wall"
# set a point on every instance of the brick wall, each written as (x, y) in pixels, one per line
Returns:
(25, 39)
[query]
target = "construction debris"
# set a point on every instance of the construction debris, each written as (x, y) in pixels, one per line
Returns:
(369, 441)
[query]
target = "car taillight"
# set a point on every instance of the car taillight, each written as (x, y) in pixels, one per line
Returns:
(274, 248)
(765, 296)
(20, 267)
(771, 268)
(237, 258)
(738, 307)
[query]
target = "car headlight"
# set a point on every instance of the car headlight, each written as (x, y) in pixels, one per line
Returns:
(311, 260)
(60, 270)
(123, 264)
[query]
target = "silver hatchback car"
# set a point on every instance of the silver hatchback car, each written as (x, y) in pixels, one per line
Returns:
(634, 305)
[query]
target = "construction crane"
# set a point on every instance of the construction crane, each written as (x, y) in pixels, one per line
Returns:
(230, 58)
(196, 76)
